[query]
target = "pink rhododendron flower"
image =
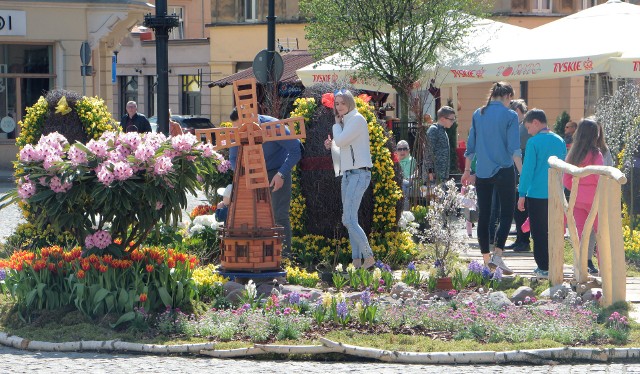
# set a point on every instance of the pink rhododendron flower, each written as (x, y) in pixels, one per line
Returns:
(207, 150)
(30, 154)
(224, 166)
(184, 142)
(163, 165)
(144, 152)
(57, 186)
(122, 171)
(98, 147)
(131, 139)
(26, 190)
(100, 239)
(77, 156)
(108, 136)
(104, 174)
(50, 162)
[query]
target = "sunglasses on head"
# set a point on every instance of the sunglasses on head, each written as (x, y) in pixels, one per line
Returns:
(341, 91)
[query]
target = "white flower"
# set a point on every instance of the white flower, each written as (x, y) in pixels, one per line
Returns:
(251, 289)
(196, 229)
(207, 220)
(351, 268)
(408, 216)
(339, 268)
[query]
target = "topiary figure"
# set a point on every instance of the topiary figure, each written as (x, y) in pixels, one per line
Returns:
(62, 118)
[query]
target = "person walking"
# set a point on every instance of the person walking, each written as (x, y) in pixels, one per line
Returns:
(584, 152)
(607, 161)
(437, 157)
(134, 121)
(351, 137)
(495, 142)
(522, 243)
(534, 183)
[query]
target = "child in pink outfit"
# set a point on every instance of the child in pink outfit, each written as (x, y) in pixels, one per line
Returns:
(584, 152)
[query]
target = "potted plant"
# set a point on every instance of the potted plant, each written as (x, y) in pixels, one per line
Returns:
(443, 237)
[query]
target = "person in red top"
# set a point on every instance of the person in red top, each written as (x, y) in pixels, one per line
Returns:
(584, 152)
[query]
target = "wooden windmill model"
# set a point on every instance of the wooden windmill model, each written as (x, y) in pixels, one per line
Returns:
(251, 241)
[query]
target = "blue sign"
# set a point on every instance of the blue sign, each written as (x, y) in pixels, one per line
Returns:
(114, 64)
(289, 90)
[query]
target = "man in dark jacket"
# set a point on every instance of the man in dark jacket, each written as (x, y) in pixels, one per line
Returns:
(134, 121)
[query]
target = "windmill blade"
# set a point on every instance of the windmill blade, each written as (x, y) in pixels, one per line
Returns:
(276, 130)
(255, 167)
(226, 137)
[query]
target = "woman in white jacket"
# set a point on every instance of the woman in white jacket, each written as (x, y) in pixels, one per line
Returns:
(351, 152)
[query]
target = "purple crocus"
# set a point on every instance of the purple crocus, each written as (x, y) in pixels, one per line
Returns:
(3, 274)
(438, 263)
(294, 298)
(475, 267)
(342, 310)
(497, 275)
(411, 266)
(486, 273)
(365, 297)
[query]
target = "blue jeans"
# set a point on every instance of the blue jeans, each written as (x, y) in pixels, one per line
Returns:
(281, 203)
(504, 181)
(354, 183)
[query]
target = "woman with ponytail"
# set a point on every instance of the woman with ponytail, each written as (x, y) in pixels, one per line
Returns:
(494, 140)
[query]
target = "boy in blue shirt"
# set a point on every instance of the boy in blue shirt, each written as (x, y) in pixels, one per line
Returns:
(223, 207)
(534, 185)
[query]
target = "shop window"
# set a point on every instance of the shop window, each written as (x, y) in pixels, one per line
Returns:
(22, 89)
(191, 95)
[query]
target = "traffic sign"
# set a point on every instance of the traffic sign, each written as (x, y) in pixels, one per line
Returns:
(261, 68)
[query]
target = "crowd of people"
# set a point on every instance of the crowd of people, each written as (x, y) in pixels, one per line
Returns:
(509, 186)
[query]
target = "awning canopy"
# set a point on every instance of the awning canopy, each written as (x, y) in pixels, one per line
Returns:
(292, 61)
(595, 40)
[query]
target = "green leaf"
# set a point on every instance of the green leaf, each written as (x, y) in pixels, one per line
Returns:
(127, 317)
(100, 295)
(42, 195)
(30, 297)
(164, 296)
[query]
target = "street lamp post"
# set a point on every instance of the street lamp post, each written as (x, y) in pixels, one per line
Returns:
(162, 24)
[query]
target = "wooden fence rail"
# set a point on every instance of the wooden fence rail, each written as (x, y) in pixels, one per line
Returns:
(607, 207)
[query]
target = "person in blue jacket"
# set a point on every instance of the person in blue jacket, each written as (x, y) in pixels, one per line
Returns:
(223, 207)
(280, 157)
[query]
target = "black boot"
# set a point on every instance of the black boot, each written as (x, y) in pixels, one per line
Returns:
(592, 269)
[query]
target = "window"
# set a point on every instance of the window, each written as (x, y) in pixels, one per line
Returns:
(177, 32)
(151, 95)
(251, 10)
(128, 91)
(542, 6)
(242, 250)
(589, 3)
(19, 88)
(191, 96)
(267, 249)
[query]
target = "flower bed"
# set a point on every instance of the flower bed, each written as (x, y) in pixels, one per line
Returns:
(52, 278)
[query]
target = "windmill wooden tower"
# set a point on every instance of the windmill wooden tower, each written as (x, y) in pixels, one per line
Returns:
(251, 241)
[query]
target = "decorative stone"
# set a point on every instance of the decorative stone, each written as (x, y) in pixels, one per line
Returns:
(499, 299)
(521, 293)
(558, 292)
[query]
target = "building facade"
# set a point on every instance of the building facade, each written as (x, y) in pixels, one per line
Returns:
(40, 44)
(189, 66)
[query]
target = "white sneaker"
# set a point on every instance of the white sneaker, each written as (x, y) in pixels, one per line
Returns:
(496, 262)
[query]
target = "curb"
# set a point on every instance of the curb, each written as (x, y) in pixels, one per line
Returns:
(549, 356)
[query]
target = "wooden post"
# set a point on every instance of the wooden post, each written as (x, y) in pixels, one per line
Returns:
(618, 263)
(556, 227)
